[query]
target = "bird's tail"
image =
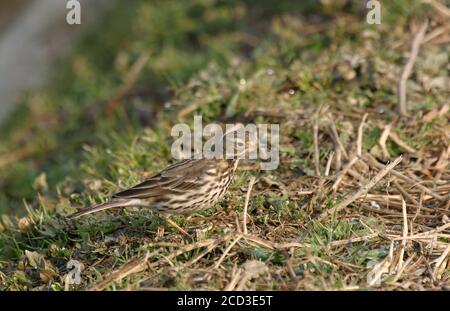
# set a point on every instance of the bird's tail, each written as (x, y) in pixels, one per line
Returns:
(100, 207)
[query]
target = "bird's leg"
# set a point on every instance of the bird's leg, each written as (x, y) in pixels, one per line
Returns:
(174, 224)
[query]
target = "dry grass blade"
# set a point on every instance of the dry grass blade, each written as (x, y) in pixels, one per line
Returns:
(335, 136)
(415, 183)
(436, 33)
(354, 240)
(188, 248)
(328, 166)
(381, 268)
(405, 234)
(436, 230)
(408, 68)
(247, 200)
(227, 250)
(139, 264)
(338, 158)
(441, 8)
(439, 263)
(405, 193)
(383, 139)
(251, 269)
(343, 173)
(134, 266)
(204, 253)
(402, 269)
(176, 226)
(272, 245)
(359, 138)
(431, 234)
(236, 276)
(363, 190)
(396, 139)
(316, 147)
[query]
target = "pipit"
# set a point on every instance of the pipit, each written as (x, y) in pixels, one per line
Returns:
(189, 186)
(186, 187)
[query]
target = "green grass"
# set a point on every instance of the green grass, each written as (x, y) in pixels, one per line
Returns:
(266, 63)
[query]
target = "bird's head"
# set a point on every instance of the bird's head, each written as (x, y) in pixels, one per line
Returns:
(240, 141)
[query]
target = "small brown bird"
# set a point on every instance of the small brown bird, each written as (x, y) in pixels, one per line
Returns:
(186, 187)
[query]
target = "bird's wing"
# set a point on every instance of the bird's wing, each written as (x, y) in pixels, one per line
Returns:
(179, 177)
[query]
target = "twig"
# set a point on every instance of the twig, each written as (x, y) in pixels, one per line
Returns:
(247, 199)
(306, 192)
(236, 221)
(408, 68)
(363, 190)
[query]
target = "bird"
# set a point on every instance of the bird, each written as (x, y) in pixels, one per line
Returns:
(186, 187)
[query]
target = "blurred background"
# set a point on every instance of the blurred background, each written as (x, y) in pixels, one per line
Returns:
(34, 35)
